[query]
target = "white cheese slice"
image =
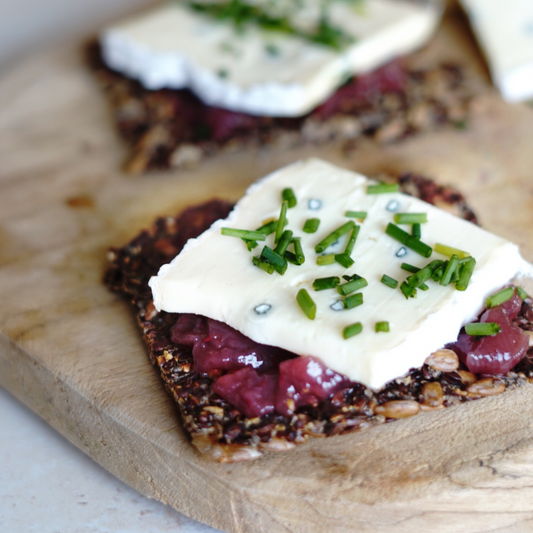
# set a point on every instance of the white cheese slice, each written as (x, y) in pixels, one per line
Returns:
(174, 47)
(214, 276)
(505, 32)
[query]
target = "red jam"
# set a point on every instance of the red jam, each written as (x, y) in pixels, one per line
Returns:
(496, 354)
(259, 379)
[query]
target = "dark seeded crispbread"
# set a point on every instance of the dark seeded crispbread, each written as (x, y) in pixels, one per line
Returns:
(162, 137)
(223, 433)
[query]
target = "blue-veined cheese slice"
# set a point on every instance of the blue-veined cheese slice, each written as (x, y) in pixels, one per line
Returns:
(174, 47)
(505, 32)
(214, 275)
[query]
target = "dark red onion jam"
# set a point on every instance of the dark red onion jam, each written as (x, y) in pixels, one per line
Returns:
(497, 354)
(259, 379)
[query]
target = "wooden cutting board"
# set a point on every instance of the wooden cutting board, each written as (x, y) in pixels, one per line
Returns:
(70, 350)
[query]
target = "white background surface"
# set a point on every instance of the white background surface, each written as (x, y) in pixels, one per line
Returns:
(46, 484)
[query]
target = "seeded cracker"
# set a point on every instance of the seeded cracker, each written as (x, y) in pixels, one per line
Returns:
(221, 432)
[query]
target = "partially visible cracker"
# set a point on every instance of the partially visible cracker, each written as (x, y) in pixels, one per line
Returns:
(171, 128)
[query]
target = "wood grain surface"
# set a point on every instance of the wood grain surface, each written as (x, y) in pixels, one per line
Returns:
(70, 350)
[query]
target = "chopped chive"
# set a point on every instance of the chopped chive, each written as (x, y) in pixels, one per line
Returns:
(416, 231)
(408, 292)
(333, 236)
(423, 287)
(500, 297)
(466, 274)
(522, 293)
(409, 268)
(298, 251)
(449, 271)
(352, 330)
(322, 284)
(410, 218)
(281, 220)
(250, 244)
(268, 228)
(344, 260)
(423, 274)
(351, 277)
(449, 251)
(243, 234)
(408, 240)
(353, 301)
(482, 329)
(283, 242)
(323, 260)
(351, 241)
(276, 260)
(352, 286)
(439, 272)
(382, 188)
(382, 326)
(263, 265)
(289, 197)
(311, 225)
(390, 282)
(306, 303)
(291, 258)
(361, 215)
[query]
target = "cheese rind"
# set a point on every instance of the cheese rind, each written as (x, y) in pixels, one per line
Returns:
(174, 47)
(214, 276)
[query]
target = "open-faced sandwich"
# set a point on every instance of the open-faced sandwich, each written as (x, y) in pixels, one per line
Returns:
(322, 303)
(191, 77)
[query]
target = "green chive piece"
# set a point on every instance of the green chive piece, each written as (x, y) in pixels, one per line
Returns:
(500, 297)
(449, 251)
(323, 260)
(263, 265)
(352, 330)
(351, 241)
(423, 274)
(382, 188)
(306, 304)
(289, 197)
(390, 282)
(382, 326)
(311, 225)
(408, 240)
(423, 287)
(408, 292)
(291, 258)
(352, 286)
(482, 328)
(298, 251)
(466, 274)
(344, 260)
(439, 272)
(334, 236)
(283, 242)
(353, 301)
(409, 268)
(276, 260)
(449, 271)
(410, 218)
(250, 244)
(522, 293)
(361, 215)
(416, 231)
(268, 228)
(322, 284)
(243, 234)
(281, 220)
